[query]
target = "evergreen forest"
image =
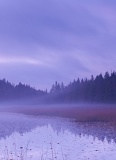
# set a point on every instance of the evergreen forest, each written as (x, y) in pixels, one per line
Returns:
(100, 89)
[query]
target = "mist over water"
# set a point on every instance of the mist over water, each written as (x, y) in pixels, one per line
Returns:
(66, 131)
(79, 111)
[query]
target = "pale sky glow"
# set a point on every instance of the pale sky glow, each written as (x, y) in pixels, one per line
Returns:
(41, 41)
(7, 60)
(20, 60)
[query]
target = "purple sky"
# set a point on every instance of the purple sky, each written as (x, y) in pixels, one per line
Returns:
(42, 41)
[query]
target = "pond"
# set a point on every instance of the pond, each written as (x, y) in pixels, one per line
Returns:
(24, 137)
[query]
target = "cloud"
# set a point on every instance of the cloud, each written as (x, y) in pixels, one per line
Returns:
(56, 40)
(43, 62)
(13, 60)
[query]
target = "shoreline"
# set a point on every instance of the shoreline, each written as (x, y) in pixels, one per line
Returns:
(82, 113)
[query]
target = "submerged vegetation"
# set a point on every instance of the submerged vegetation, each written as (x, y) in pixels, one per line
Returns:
(98, 89)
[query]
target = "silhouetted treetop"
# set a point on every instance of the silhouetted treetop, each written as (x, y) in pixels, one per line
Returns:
(96, 89)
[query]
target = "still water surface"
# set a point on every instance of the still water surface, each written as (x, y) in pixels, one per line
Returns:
(25, 137)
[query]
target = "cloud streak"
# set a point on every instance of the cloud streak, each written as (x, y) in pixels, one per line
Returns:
(56, 40)
(19, 60)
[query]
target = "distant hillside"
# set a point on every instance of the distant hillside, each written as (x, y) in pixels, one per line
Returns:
(98, 89)
(101, 89)
(10, 91)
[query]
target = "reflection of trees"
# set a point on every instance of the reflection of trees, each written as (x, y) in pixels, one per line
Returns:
(10, 123)
(100, 130)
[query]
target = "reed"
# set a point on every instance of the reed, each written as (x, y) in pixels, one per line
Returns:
(23, 153)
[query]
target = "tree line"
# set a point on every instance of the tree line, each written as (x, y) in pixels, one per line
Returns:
(10, 91)
(96, 89)
(101, 88)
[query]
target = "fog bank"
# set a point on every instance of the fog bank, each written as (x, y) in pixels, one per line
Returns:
(79, 112)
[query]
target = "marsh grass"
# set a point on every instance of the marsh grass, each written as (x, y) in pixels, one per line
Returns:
(26, 153)
(82, 113)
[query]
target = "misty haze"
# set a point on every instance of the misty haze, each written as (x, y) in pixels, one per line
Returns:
(57, 80)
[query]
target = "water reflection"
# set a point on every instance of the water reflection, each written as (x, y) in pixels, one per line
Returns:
(55, 138)
(101, 130)
(10, 123)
